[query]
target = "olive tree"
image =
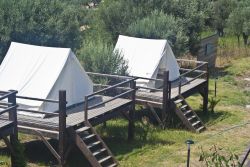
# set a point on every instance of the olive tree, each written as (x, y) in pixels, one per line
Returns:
(160, 26)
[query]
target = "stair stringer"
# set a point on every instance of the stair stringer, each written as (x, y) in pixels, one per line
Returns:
(83, 148)
(184, 119)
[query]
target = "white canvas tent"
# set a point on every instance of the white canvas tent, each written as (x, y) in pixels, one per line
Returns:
(40, 72)
(146, 57)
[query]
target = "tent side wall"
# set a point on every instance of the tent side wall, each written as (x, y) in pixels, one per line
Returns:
(74, 80)
(169, 63)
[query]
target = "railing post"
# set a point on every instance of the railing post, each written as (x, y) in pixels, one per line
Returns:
(62, 126)
(166, 97)
(13, 117)
(205, 98)
(131, 125)
(86, 109)
(180, 83)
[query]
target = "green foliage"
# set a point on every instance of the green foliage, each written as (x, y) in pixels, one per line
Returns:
(99, 57)
(212, 103)
(238, 22)
(160, 26)
(39, 22)
(186, 20)
(222, 10)
(217, 158)
(20, 159)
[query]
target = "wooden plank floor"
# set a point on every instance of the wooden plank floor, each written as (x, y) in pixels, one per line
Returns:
(5, 124)
(74, 115)
(157, 96)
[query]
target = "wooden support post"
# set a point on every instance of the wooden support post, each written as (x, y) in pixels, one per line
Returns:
(131, 125)
(206, 89)
(86, 109)
(13, 117)
(166, 97)
(62, 126)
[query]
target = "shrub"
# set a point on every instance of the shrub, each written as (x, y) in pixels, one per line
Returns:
(98, 56)
(212, 103)
(160, 26)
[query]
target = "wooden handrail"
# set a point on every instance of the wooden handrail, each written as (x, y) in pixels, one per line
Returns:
(192, 70)
(110, 75)
(37, 112)
(113, 98)
(37, 99)
(7, 94)
(194, 78)
(8, 109)
(194, 61)
(86, 99)
(110, 87)
(150, 79)
(149, 88)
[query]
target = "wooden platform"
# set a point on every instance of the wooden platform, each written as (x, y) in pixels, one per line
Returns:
(74, 125)
(155, 98)
(75, 116)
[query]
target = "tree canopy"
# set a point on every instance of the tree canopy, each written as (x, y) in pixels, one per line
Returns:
(40, 22)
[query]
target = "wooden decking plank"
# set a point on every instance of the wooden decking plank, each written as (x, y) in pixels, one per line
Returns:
(157, 96)
(75, 115)
(5, 124)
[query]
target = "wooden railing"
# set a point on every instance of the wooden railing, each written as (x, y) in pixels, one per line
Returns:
(10, 106)
(200, 70)
(128, 92)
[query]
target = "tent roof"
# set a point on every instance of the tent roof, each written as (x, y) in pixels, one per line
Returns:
(35, 70)
(144, 56)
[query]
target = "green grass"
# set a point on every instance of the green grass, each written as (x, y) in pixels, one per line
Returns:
(156, 147)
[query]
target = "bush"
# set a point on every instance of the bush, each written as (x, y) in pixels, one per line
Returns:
(212, 103)
(160, 26)
(98, 56)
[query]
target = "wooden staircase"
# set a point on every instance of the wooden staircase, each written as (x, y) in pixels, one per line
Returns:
(188, 116)
(93, 147)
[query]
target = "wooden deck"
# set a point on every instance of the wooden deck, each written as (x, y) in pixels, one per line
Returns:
(155, 98)
(75, 116)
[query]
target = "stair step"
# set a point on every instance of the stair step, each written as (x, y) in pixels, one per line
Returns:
(187, 112)
(104, 159)
(178, 101)
(200, 129)
(99, 151)
(113, 165)
(183, 106)
(88, 137)
(196, 123)
(93, 144)
(83, 129)
(192, 117)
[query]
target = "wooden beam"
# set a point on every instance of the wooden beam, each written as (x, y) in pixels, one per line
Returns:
(155, 115)
(62, 126)
(166, 97)
(8, 144)
(13, 117)
(131, 125)
(206, 91)
(52, 150)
